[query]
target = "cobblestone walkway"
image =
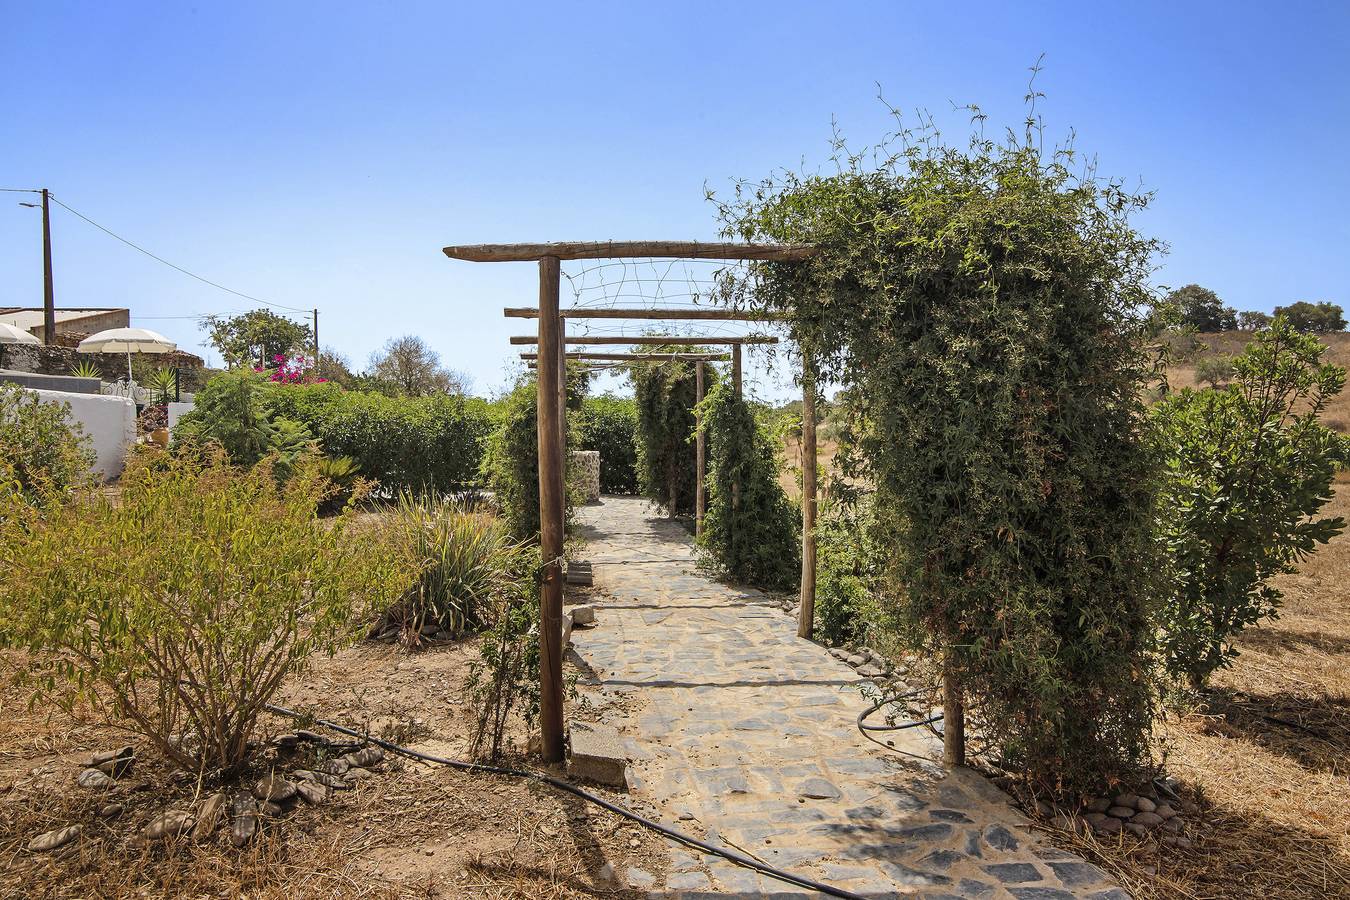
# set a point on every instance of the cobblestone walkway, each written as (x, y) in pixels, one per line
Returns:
(744, 734)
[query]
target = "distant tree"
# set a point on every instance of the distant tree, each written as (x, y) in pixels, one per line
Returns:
(1214, 370)
(1202, 309)
(257, 337)
(409, 363)
(335, 367)
(1254, 321)
(1313, 318)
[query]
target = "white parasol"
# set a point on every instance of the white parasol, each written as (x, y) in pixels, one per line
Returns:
(128, 341)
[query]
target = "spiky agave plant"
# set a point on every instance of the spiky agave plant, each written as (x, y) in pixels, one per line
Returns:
(468, 561)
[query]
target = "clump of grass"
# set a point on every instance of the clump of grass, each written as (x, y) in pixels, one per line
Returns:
(468, 560)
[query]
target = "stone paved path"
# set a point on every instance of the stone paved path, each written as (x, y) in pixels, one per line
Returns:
(744, 734)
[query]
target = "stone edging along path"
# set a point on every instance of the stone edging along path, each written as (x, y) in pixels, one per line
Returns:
(744, 734)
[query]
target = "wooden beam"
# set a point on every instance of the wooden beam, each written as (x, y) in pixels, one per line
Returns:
(806, 615)
(642, 312)
(629, 249)
(639, 357)
(700, 451)
(652, 340)
(551, 512)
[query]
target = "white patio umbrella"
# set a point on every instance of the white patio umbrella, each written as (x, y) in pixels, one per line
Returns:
(128, 341)
(13, 334)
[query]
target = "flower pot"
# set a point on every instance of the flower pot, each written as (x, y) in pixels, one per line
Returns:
(160, 436)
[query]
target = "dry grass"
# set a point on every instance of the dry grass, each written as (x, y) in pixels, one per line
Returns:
(415, 831)
(1266, 757)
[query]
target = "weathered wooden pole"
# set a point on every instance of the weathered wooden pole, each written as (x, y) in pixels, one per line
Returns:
(806, 615)
(700, 450)
(550, 512)
(953, 717)
(736, 369)
(562, 396)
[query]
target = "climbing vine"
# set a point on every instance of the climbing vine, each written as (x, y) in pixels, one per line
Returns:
(752, 530)
(983, 305)
(665, 394)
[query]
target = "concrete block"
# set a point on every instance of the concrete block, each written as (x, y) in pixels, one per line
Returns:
(598, 755)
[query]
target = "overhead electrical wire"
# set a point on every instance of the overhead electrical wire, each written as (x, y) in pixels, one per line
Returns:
(133, 245)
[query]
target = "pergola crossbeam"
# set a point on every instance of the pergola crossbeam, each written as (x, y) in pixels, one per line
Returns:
(652, 340)
(628, 250)
(640, 357)
(642, 312)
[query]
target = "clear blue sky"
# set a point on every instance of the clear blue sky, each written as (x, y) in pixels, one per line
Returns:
(321, 154)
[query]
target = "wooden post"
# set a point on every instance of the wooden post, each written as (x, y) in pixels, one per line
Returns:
(700, 452)
(48, 298)
(736, 369)
(806, 615)
(953, 718)
(562, 396)
(550, 513)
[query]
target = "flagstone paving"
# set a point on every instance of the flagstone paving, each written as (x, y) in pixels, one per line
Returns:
(745, 735)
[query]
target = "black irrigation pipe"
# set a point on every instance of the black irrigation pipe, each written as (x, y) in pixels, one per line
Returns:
(678, 836)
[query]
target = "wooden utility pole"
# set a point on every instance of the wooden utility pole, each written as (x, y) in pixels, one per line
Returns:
(551, 511)
(953, 717)
(806, 615)
(48, 295)
(316, 338)
(700, 451)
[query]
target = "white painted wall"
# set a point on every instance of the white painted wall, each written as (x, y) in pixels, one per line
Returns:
(176, 411)
(110, 423)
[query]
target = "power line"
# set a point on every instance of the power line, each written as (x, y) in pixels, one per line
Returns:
(178, 268)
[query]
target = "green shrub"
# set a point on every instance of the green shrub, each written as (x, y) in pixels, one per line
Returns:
(665, 395)
(344, 477)
(467, 561)
(505, 679)
(181, 607)
(1214, 370)
(983, 302)
(404, 443)
(752, 530)
(1248, 467)
(847, 573)
(511, 463)
(47, 453)
(609, 424)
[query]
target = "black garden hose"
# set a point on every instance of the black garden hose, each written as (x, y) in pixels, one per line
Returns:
(678, 836)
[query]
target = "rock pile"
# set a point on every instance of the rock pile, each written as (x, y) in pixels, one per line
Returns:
(273, 795)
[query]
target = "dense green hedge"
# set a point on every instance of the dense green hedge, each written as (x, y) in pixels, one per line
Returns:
(510, 467)
(609, 424)
(752, 530)
(665, 394)
(431, 442)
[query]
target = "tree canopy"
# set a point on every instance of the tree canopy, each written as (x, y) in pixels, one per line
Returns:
(257, 337)
(1201, 309)
(415, 368)
(1313, 318)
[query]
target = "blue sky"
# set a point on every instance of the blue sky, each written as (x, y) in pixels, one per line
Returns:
(320, 155)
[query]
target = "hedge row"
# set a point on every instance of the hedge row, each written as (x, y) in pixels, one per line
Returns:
(609, 424)
(431, 442)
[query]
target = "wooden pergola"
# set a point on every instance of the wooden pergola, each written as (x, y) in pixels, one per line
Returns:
(551, 359)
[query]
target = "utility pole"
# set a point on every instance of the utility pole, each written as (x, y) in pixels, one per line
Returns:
(48, 298)
(316, 338)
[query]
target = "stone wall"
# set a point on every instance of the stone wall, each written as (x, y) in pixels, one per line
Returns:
(583, 474)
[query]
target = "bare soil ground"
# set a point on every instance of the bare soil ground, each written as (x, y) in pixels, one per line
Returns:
(414, 830)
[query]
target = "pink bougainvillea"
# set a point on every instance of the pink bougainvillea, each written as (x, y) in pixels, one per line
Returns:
(291, 370)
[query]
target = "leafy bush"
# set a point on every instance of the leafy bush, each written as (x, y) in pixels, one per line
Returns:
(430, 443)
(984, 304)
(665, 394)
(230, 411)
(751, 530)
(467, 561)
(1248, 467)
(609, 424)
(1214, 370)
(847, 574)
(47, 453)
(344, 476)
(1313, 318)
(505, 680)
(182, 607)
(511, 463)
